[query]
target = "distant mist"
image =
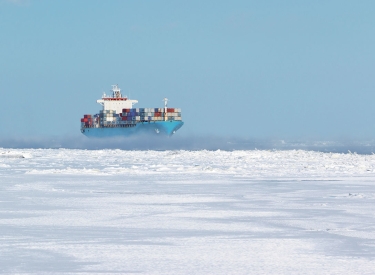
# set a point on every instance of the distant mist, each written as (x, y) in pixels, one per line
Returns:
(187, 143)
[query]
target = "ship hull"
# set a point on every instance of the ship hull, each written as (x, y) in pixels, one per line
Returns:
(155, 127)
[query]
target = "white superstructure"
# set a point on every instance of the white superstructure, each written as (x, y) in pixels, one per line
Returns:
(116, 102)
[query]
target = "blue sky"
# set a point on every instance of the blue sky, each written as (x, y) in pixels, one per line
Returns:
(278, 69)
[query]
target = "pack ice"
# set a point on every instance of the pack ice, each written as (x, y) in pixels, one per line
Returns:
(186, 212)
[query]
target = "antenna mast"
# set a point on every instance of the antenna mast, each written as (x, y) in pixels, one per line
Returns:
(116, 91)
(165, 108)
(165, 102)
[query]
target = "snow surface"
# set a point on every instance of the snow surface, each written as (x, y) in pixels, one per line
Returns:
(186, 212)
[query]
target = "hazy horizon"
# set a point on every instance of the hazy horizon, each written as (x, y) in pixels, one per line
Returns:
(189, 143)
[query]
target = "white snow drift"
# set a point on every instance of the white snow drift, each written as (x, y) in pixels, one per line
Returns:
(186, 212)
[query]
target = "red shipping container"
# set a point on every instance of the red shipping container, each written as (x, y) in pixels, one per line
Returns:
(123, 118)
(157, 114)
(170, 110)
(85, 120)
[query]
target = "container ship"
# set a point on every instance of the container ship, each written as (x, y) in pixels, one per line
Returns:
(119, 118)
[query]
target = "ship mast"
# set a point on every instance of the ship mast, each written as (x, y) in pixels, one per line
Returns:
(116, 91)
(165, 108)
(165, 102)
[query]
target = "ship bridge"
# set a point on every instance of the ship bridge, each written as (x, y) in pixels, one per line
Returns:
(116, 102)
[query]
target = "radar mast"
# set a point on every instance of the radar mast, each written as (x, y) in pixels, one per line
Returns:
(116, 91)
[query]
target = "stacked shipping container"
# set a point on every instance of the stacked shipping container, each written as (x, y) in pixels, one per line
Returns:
(128, 117)
(107, 117)
(87, 121)
(151, 114)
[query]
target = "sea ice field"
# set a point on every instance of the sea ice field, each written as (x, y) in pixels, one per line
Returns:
(69, 211)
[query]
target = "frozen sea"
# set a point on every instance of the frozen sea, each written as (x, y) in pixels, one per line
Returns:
(68, 211)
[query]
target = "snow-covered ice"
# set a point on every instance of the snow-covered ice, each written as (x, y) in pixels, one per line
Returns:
(186, 212)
